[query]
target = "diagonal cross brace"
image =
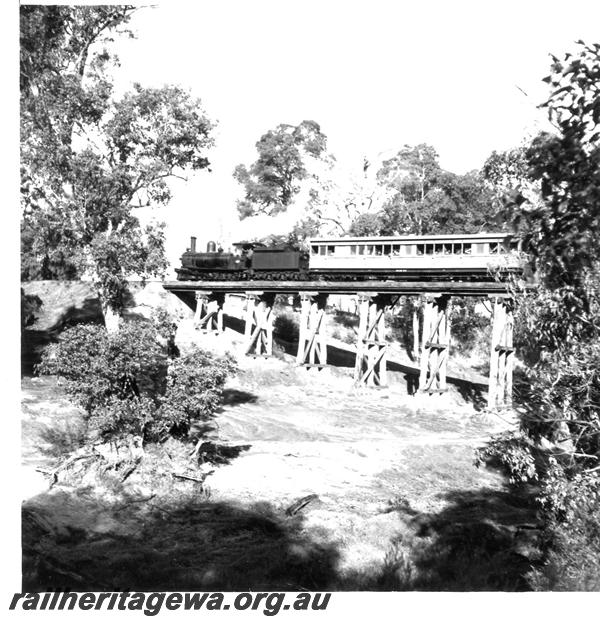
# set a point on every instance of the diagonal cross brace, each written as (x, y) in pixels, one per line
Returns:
(371, 369)
(313, 335)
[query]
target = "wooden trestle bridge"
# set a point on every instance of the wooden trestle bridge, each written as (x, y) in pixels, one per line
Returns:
(374, 298)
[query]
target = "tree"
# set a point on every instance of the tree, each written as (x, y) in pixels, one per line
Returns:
(366, 225)
(507, 177)
(428, 199)
(559, 324)
(127, 384)
(88, 161)
(272, 181)
(565, 228)
(412, 172)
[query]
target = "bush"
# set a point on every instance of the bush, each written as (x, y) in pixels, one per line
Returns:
(128, 385)
(286, 326)
(573, 533)
(166, 326)
(468, 327)
(514, 453)
(194, 391)
(98, 366)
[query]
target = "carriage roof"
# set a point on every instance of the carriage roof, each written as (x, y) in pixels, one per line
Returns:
(411, 238)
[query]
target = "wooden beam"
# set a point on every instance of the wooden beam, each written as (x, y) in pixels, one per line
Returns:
(398, 287)
(436, 343)
(312, 340)
(501, 354)
(371, 360)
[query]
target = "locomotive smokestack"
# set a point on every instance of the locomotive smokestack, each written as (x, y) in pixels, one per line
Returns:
(193, 244)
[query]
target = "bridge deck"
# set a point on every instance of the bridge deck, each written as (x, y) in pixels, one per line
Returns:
(351, 287)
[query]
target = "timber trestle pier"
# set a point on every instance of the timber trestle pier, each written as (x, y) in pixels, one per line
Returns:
(432, 302)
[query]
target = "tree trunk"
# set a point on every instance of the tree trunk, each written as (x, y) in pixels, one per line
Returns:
(112, 319)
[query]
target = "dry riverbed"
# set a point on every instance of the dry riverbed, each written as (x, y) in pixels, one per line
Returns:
(392, 497)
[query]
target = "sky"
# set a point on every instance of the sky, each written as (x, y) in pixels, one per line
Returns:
(462, 76)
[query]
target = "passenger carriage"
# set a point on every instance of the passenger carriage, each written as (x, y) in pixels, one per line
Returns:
(455, 255)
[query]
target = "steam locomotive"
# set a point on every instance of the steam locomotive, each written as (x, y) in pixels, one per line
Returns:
(435, 257)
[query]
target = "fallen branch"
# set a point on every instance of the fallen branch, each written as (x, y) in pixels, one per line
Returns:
(127, 473)
(72, 459)
(298, 505)
(185, 477)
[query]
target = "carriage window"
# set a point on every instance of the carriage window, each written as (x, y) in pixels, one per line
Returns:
(428, 248)
(503, 249)
(352, 249)
(387, 249)
(323, 250)
(330, 249)
(420, 249)
(314, 249)
(479, 248)
(395, 249)
(457, 248)
(361, 249)
(407, 249)
(514, 246)
(369, 250)
(494, 247)
(447, 248)
(378, 250)
(439, 248)
(467, 248)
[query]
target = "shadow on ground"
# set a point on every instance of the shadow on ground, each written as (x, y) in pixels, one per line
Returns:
(188, 546)
(486, 540)
(33, 341)
(482, 541)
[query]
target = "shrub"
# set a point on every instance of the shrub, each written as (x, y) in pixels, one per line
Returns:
(194, 391)
(286, 326)
(97, 365)
(467, 326)
(123, 416)
(125, 383)
(166, 326)
(514, 453)
(573, 533)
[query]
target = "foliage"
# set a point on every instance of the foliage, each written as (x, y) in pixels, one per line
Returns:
(271, 182)
(400, 324)
(573, 533)
(561, 323)
(514, 453)
(30, 305)
(193, 391)
(428, 199)
(124, 382)
(166, 327)
(286, 326)
(342, 196)
(366, 225)
(416, 196)
(467, 325)
(507, 176)
(562, 403)
(559, 326)
(565, 228)
(89, 160)
(97, 365)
